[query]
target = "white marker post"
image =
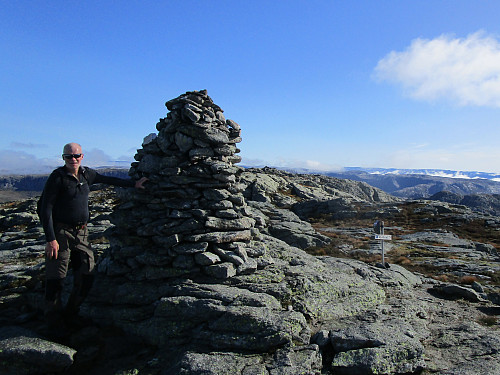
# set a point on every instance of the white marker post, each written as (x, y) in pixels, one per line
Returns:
(378, 227)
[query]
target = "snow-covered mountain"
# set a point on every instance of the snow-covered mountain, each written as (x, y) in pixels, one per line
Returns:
(420, 183)
(429, 172)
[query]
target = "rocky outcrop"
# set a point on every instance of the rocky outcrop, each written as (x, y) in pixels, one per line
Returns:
(486, 203)
(205, 273)
(24, 352)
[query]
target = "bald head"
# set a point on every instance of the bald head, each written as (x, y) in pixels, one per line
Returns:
(72, 148)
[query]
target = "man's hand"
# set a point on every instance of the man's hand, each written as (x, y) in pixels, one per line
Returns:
(51, 249)
(139, 184)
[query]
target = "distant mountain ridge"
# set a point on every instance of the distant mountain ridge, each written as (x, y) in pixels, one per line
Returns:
(429, 172)
(403, 183)
(482, 195)
(36, 182)
(411, 185)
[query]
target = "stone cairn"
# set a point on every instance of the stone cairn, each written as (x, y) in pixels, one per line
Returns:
(191, 218)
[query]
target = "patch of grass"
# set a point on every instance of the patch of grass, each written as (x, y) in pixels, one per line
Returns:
(368, 258)
(467, 280)
(402, 261)
(442, 278)
(414, 252)
(331, 250)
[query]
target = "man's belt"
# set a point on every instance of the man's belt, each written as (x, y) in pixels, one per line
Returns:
(77, 226)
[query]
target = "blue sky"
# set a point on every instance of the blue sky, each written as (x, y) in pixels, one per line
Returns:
(315, 84)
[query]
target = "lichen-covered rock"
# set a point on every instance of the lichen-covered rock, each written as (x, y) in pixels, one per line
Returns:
(286, 361)
(24, 352)
(382, 347)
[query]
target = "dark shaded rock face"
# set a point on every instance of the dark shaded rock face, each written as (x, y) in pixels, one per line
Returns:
(483, 203)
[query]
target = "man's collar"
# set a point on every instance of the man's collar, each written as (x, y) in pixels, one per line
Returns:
(81, 170)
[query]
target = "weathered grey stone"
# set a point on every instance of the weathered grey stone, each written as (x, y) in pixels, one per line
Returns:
(287, 226)
(216, 194)
(184, 142)
(302, 359)
(233, 124)
(249, 266)
(166, 241)
(465, 348)
(220, 205)
(227, 214)
(210, 135)
(221, 271)
(180, 266)
(150, 138)
(229, 224)
(439, 236)
(251, 328)
(240, 249)
(221, 167)
(196, 310)
(384, 347)
(206, 258)
(256, 249)
(226, 150)
(457, 291)
(190, 114)
(23, 352)
(150, 164)
(190, 248)
(228, 295)
(221, 237)
(229, 256)
(217, 363)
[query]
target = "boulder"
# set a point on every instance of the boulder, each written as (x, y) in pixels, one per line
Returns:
(24, 352)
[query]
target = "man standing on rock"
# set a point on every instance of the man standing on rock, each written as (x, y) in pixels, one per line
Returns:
(64, 213)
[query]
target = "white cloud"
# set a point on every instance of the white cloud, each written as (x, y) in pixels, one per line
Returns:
(251, 162)
(96, 158)
(29, 146)
(458, 157)
(463, 70)
(312, 165)
(20, 162)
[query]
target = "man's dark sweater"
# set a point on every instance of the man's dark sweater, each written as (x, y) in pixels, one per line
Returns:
(65, 199)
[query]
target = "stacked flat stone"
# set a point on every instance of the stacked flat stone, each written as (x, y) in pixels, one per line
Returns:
(191, 217)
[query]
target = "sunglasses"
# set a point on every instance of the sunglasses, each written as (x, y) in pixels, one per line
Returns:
(70, 156)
